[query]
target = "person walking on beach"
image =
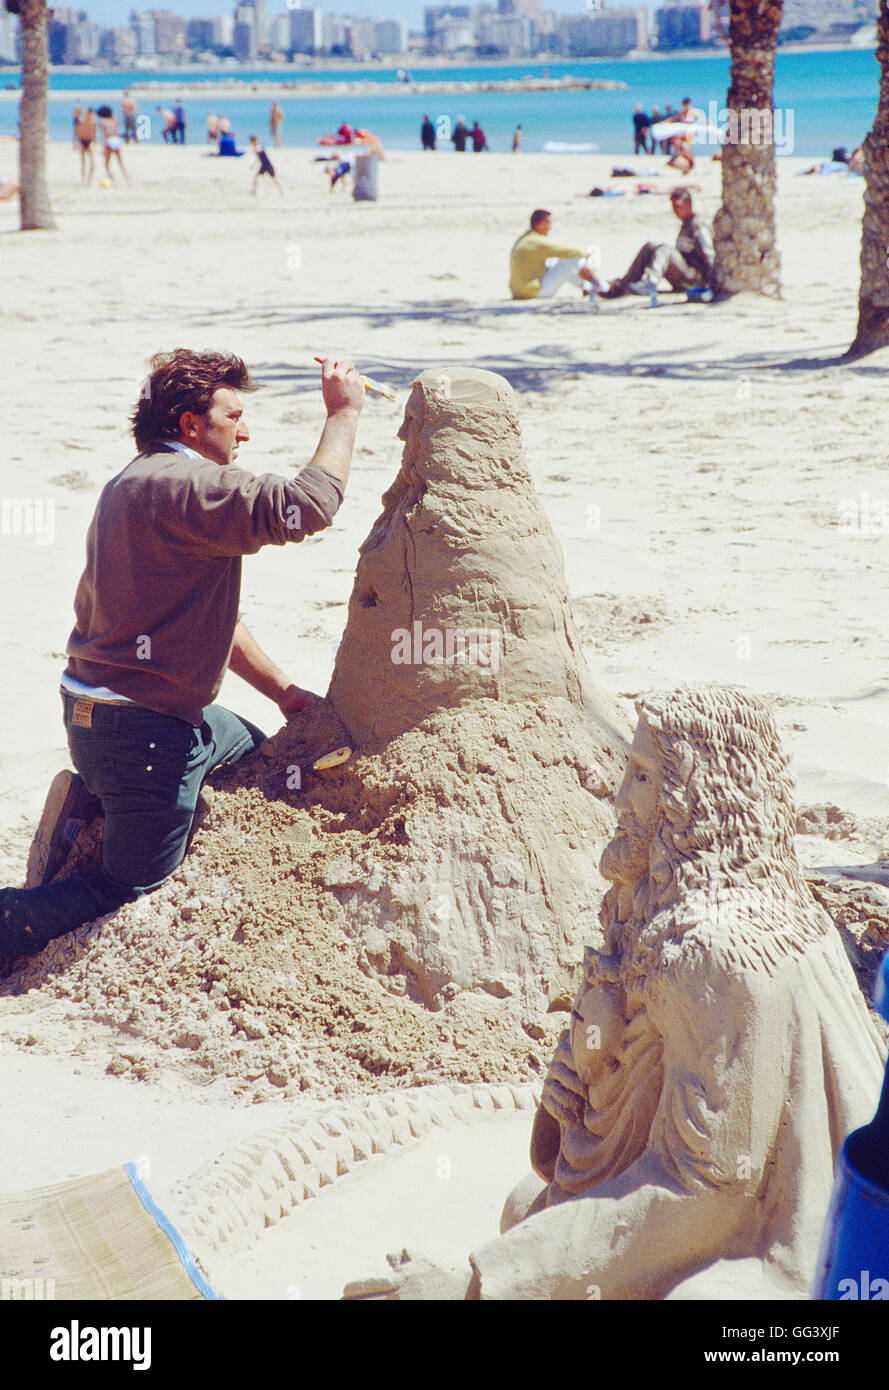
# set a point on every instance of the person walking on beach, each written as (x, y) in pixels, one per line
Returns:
(276, 120)
(263, 166)
(641, 127)
(129, 110)
(517, 140)
(539, 266)
(86, 134)
(147, 655)
(76, 117)
(479, 142)
(687, 265)
(427, 134)
(111, 144)
(460, 134)
(169, 123)
(179, 119)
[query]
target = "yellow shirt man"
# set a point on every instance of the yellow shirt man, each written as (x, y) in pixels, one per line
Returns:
(528, 258)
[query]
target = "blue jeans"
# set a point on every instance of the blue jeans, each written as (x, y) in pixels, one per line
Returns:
(147, 770)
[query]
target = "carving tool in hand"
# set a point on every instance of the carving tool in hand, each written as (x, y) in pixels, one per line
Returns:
(375, 387)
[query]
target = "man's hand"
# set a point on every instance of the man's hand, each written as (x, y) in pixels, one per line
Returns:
(341, 386)
(295, 700)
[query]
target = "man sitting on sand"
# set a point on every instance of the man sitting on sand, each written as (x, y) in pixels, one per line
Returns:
(539, 266)
(688, 264)
(157, 625)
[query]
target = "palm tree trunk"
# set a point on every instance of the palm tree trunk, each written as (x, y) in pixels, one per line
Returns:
(34, 198)
(873, 295)
(744, 227)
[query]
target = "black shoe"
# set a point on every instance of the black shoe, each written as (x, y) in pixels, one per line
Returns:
(67, 809)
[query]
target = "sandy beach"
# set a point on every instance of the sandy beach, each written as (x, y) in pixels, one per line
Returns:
(711, 473)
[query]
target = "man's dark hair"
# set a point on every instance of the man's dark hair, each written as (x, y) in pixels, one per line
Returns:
(183, 380)
(680, 195)
(538, 215)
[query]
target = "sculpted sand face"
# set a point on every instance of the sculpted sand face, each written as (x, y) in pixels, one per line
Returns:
(460, 590)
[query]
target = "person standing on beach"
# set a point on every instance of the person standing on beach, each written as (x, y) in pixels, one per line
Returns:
(76, 117)
(130, 110)
(264, 166)
(212, 127)
(427, 134)
(179, 123)
(169, 122)
(276, 120)
(86, 134)
(479, 142)
(641, 126)
(517, 140)
(460, 134)
(111, 145)
(539, 266)
(157, 626)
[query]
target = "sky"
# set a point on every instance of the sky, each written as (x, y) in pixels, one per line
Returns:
(109, 12)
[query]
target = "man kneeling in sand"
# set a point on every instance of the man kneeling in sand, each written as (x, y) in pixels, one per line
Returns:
(157, 625)
(687, 265)
(539, 266)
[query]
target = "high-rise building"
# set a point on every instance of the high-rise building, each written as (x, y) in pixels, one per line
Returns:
(602, 34)
(117, 44)
(201, 34)
(306, 32)
(9, 38)
(509, 34)
(72, 37)
(334, 32)
(390, 36)
(279, 32)
(244, 41)
(361, 37)
(684, 26)
(435, 15)
(142, 24)
(169, 32)
(532, 8)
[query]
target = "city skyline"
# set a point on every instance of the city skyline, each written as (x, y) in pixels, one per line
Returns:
(117, 12)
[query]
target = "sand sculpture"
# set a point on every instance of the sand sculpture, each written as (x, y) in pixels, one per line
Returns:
(461, 660)
(719, 1047)
(411, 913)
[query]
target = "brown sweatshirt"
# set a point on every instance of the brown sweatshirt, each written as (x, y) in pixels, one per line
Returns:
(157, 605)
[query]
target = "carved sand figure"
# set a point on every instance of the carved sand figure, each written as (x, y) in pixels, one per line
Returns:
(460, 627)
(719, 1047)
(409, 914)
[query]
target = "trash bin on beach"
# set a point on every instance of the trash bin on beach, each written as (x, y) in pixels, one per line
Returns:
(364, 186)
(854, 1258)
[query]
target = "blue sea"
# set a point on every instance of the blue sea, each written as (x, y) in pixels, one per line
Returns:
(827, 99)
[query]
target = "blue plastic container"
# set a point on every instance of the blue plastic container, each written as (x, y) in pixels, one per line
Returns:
(854, 1259)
